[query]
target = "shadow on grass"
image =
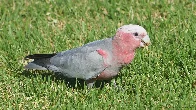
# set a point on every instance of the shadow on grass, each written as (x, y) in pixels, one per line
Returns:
(58, 78)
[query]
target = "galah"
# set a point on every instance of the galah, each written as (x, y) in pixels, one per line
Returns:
(98, 60)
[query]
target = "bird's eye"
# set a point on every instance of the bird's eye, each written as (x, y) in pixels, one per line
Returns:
(136, 34)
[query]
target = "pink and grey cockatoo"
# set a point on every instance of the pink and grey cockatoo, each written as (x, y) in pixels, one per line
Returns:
(98, 60)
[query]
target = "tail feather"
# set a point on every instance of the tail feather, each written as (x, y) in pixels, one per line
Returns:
(40, 61)
(39, 56)
(32, 65)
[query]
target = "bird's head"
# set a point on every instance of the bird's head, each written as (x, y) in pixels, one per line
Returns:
(132, 35)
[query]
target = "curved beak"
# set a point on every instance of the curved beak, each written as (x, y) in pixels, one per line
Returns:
(145, 41)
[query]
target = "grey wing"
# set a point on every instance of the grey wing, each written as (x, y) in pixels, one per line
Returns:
(76, 64)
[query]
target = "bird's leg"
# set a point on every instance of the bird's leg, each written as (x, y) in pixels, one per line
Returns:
(114, 83)
(90, 83)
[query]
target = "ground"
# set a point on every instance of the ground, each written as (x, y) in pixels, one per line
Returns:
(163, 76)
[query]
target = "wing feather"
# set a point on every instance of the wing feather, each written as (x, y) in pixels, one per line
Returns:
(84, 63)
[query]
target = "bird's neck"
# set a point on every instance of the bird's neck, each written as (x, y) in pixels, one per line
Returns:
(123, 52)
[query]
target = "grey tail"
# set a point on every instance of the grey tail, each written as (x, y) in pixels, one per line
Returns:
(40, 61)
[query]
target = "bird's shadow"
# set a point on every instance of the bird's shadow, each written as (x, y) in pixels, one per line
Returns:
(57, 77)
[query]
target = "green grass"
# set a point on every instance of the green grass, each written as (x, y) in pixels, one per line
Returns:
(160, 77)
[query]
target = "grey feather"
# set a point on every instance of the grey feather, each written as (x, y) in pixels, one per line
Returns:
(32, 65)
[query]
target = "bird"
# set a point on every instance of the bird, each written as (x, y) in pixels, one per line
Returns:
(97, 60)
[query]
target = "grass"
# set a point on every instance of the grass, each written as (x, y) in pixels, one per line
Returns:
(160, 77)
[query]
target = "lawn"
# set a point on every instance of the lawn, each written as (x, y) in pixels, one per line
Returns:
(160, 77)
